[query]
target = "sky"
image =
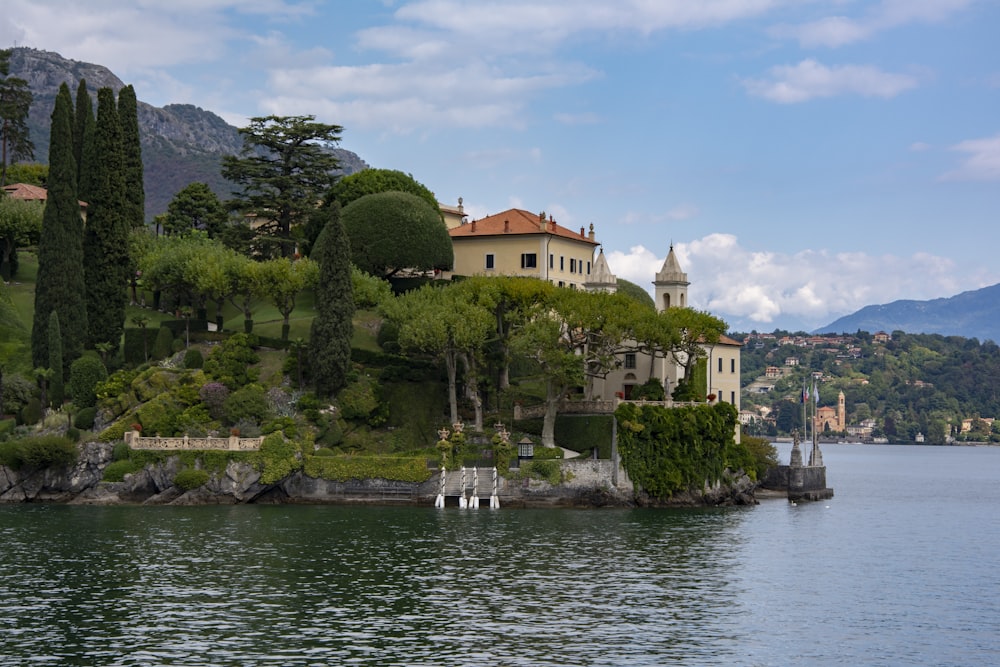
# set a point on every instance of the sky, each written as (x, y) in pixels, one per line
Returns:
(805, 158)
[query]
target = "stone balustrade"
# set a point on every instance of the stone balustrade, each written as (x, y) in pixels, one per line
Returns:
(598, 407)
(233, 443)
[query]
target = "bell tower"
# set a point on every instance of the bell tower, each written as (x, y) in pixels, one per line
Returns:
(671, 284)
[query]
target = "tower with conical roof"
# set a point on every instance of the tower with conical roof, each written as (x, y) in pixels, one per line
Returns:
(601, 279)
(671, 284)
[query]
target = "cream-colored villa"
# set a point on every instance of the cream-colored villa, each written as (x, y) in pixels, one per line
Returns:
(519, 243)
(722, 358)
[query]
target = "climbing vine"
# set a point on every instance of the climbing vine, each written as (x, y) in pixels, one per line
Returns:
(667, 450)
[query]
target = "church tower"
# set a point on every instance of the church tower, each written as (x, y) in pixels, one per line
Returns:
(841, 413)
(671, 284)
(601, 279)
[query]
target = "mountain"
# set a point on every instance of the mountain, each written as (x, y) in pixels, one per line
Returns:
(181, 143)
(973, 314)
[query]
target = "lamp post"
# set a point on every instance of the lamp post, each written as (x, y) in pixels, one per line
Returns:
(525, 449)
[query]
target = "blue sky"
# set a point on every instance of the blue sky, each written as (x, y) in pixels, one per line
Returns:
(805, 158)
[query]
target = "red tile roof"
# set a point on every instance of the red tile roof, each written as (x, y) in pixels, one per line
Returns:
(26, 191)
(517, 222)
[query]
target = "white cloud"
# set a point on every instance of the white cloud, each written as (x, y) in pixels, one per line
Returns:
(809, 79)
(835, 31)
(542, 23)
(585, 118)
(919, 147)
(409, 96)
(982, 163)
(810, 288)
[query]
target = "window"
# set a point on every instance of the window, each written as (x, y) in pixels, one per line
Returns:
(732, 365)
(562, 263)
(529, 260)
(588, 268)
(732, 397)
(489, 261)
(720, 364)
(572, 265)
(552, 259)
(630, 360)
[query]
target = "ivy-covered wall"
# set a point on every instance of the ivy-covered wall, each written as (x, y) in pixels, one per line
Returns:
(667, 450)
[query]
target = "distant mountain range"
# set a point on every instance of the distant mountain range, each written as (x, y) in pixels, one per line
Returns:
(181, 143)
(973, 314)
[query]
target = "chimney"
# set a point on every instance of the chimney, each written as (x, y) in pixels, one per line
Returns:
(591, 234)
(506, 226)
(541, 221)
(473, 226)
(581, 233)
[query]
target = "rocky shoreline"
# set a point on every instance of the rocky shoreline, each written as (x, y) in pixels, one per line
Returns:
(590, 484)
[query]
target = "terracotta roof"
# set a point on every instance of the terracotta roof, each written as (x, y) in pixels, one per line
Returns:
(26, 191)
(517, 222)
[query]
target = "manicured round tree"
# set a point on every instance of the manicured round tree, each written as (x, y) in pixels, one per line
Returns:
(392, 231)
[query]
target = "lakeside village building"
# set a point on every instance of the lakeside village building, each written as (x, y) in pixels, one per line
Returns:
(520, 243)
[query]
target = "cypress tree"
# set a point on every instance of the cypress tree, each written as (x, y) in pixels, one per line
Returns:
(83, 117)
(135, 194)
(105, 241)
(330, 334)
(59, 287)
(56, 383)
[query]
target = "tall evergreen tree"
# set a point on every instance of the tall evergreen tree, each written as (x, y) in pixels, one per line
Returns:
(105, 241)
(15, 102)
(57, 382)
(59, 287)
(84, 115)
(330, 335)
(135, 194)
(285, 167)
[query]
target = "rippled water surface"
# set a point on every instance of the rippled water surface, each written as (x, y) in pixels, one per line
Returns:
(901, 567)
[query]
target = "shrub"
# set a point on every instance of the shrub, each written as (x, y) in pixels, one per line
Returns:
(214, 395)
(84, 375)
(163, 345)
(73, 434)
(231, 363)
(650, 390)
(248, 402)
(84, 419)
(547, 470)
(17, 391)
(39, 452)
(193, 359)
(190, 478)
(120, 452)
(32, 412)
(116, 431)
(116, 470)
(361, 401)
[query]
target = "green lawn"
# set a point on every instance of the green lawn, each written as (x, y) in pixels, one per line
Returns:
(15, 349)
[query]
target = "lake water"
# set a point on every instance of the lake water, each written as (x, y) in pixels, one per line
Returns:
(901, 567)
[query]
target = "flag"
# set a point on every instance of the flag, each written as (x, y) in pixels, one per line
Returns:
(805, 393)
(815, 393)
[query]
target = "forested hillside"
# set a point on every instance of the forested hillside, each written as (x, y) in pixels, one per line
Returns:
(909, 384)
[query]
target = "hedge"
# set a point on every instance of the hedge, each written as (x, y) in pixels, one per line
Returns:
(344, 468)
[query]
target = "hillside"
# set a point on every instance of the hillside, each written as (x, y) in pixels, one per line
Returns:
(908, 384)
(181, 143)
(972, 314)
